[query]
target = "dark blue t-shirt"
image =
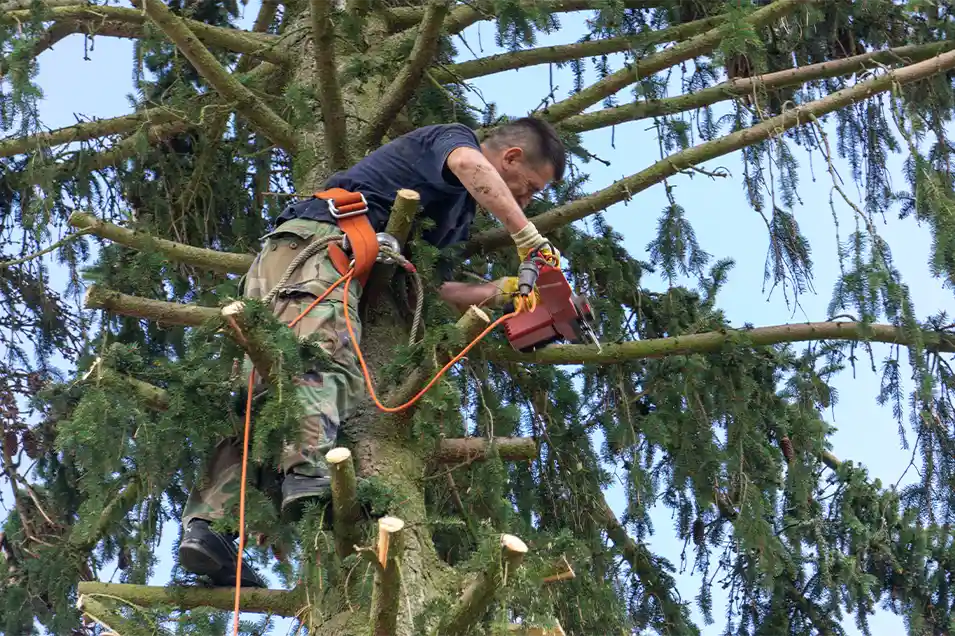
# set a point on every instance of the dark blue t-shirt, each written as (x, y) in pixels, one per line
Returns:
(415, 161)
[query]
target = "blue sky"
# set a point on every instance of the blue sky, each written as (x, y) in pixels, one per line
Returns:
(724, 223)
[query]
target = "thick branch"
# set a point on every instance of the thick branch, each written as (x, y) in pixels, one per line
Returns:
(345, 509)
(157, 310)
(258, 601)
(45, 42)
(463, 16)
(465, 449)
(227, 262)
(329, 91)
(646, 67)
(548, 54)
(714, 340)
(409, 77)
(247, 104)
(86, 130)
(749, 85)
(625, 188)
(481, 592)
(131, 23)
(387, 593)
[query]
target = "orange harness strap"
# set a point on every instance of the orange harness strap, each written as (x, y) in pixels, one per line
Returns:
(350, 211)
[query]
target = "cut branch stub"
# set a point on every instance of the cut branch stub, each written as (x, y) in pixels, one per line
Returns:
(386, 593)
(458, 450)
(345, 509)
(479, 595)
(399, 226)
(261, 356)
(472, 323)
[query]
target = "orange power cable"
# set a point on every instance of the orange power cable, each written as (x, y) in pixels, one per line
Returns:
(520, 306)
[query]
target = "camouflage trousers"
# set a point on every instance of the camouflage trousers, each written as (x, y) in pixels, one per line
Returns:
(328, 396)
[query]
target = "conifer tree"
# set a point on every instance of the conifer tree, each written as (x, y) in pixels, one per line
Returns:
(479, 510)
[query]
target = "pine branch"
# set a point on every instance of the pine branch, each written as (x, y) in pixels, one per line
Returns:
(409, 77)
(124, 22)
(462, 450)
(256, 601)
(111, 620)
(227, 262)
(247, 104)
(329, 91)
(153, 397)
(466, 14)
(85, 131)
(712, 341)
(481, 592)
(386, 591)
(700, 45)
(625, 188)
(47, 41)
(345, 510)
(750, 85)
(566, 52)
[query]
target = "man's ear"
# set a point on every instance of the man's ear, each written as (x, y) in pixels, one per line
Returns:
(512, 154)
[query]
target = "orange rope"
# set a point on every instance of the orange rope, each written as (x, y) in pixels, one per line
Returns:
(520, 305)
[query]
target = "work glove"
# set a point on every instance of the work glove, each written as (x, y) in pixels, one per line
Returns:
(507, 290)
(528, 240)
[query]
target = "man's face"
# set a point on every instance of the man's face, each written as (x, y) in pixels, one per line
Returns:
(523, 177)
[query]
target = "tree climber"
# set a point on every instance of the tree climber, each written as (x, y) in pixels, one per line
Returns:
(452, 171)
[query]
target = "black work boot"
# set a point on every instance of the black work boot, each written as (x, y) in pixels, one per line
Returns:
(299, 490)
(208, 553)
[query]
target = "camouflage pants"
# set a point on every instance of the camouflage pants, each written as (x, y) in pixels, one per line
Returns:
(328, 397)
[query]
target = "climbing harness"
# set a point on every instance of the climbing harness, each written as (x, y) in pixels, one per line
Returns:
(366, 248)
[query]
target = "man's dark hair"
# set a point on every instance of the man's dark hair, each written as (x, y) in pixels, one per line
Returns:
(536, 137)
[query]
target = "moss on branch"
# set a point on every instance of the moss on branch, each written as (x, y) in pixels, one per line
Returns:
(566, 52)
(714, 340)
(409, 77)
(682, 52)
(226, 262)
(125, 22)
(467, 449)
(624, 189)
(246, 102)
(256, 601)
(748, 85)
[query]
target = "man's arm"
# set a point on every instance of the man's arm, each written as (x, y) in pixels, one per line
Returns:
(487, 187)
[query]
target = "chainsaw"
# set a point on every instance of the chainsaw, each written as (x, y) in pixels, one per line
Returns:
(559, 315)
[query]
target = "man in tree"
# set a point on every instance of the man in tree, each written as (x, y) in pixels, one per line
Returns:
(452, 171)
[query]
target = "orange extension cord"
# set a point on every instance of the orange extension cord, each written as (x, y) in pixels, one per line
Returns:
(520, 304)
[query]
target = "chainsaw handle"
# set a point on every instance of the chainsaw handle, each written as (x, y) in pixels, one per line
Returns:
(526, 278)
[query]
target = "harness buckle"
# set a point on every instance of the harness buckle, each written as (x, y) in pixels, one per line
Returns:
(337, 214)
(384, 240)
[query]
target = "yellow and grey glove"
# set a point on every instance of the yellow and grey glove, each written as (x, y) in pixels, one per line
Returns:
(528, 240)
(506, 291)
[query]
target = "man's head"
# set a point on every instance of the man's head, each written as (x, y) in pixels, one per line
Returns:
(528, 154)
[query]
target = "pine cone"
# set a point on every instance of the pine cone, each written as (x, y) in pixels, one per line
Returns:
(698, 529)
(10, 443)
(786, 445)
(30, 445)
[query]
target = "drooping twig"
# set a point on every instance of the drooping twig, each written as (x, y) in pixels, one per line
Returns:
(258, 601)
(625, 188)
(409, 77)
(46, 250)
(687, 50)
(386, 593)
(330, 93)
(227, 85)
(566, 52)
(227, 262)
(345, 509)
(746, 85)
(464, 449)
(478, 596)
